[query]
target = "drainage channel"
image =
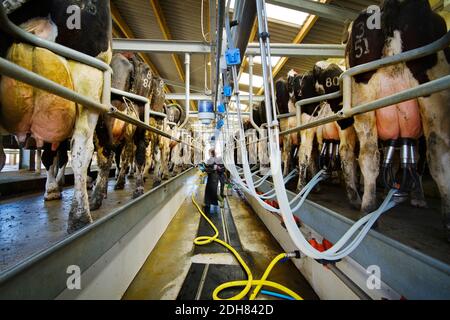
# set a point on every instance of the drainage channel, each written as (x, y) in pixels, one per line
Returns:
(203, 278)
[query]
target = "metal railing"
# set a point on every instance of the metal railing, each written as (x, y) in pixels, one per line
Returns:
(345, 84)
(12, 70)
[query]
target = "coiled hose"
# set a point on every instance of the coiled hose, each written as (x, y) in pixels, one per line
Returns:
(250, 282)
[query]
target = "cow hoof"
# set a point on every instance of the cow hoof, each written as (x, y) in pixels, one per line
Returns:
(52, 196)
(89, 183)
(119, 186)
(355, 203)
(76, 224)
(419, 203)
(137, 193)
(95, 204)
(156, 183)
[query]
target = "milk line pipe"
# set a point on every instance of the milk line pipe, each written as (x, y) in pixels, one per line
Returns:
(273, 143)
(295, 234)
(12, 70)
(241, 134)
(367, 221)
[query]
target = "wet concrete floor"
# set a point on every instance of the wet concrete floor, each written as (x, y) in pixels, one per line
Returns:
(163, 274)
(29, 225)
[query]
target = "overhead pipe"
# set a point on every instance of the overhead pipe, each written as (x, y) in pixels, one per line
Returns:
(187, 64)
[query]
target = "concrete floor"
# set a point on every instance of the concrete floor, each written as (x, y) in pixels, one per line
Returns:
(29, 225)
(163, 274)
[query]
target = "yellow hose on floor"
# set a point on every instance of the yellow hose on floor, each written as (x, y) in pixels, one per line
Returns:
(250, 282)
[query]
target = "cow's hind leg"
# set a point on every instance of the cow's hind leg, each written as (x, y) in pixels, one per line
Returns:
(369, 158)
(434, 111)
(157, 177)
(87, 81)
(2, 154)
(140, 160)
(417, 195)
(348, 164)
(125, 162)
(104, 163)
(49, 158)
(148, 162)
(63, 159)
(304, 156)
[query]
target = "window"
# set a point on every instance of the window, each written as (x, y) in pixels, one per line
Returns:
(274, 60)
(283, 15)
(257, 80)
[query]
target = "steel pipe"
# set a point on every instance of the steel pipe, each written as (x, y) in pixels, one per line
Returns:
(187, 64)
(419, 91)
(161, 46)
(12, 70)
(300, 50)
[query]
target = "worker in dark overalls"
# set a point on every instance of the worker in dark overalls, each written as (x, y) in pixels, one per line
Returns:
(214, 168)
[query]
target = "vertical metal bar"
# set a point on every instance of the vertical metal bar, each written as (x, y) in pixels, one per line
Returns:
(187, 63)
(298, 112)
(346, 94)
(220, 21)
(38, 160)
(147, 113)
(270, 116)
(250, 72)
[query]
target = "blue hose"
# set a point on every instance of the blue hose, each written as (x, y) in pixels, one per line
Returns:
(276, 295)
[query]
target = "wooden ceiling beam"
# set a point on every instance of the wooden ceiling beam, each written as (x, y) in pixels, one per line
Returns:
(161, 20)
(126, 31)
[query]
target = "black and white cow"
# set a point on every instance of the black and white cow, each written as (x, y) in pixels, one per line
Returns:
(405, 25)
(26, 111)
(324, 79)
